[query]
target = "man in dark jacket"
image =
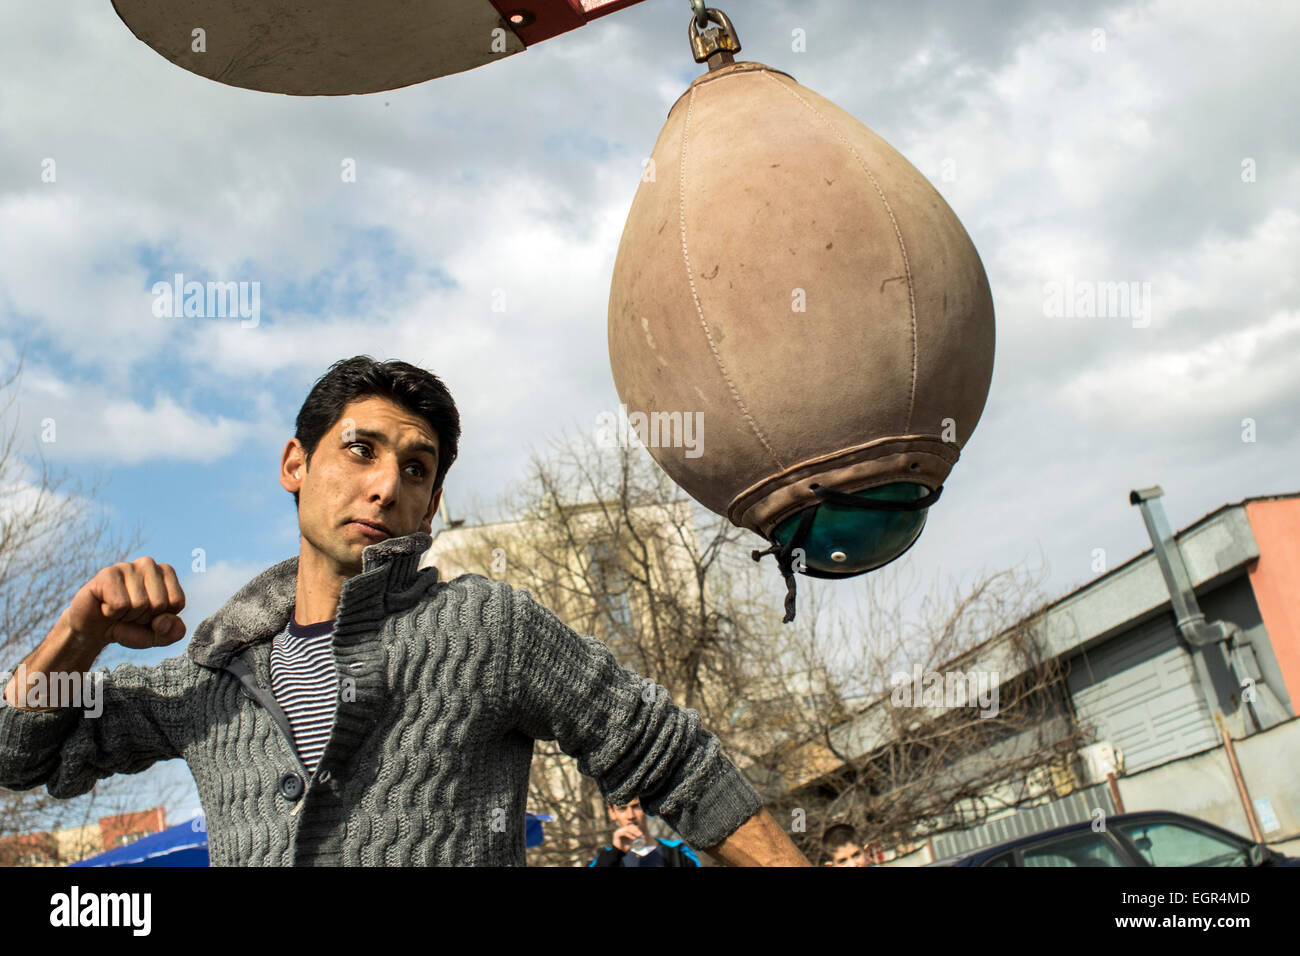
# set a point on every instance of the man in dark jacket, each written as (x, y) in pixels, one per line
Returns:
(633, 844)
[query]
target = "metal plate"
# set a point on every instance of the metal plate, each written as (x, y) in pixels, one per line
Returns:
(322, 47)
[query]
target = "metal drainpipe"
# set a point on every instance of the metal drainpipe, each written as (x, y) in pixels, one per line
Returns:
(1205, 639)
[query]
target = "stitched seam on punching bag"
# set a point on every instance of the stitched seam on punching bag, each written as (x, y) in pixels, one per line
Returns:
(681, 209)
(907, 267)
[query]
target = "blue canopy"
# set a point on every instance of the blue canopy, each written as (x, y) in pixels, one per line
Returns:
(186, 844)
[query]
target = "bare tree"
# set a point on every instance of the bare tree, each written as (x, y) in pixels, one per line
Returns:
(869, 744)
(51, 543)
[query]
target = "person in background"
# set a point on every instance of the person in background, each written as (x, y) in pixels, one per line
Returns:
(633, 844)
(842, 845)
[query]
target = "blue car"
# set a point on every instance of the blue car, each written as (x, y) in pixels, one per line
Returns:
(1150, 838)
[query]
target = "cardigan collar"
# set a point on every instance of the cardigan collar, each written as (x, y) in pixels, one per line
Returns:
(262, 607)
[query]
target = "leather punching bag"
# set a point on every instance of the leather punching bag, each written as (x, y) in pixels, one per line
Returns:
(790, 278)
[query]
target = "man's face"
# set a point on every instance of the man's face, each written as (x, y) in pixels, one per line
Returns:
(628, 813)
(848, 854)
(376, 464)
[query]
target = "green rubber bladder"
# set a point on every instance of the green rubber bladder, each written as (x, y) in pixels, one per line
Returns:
(846, 540)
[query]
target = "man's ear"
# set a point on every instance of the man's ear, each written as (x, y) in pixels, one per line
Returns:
(426, 524)
(292, 465)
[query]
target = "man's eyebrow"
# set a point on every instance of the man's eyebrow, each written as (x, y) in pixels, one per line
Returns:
(382, 438)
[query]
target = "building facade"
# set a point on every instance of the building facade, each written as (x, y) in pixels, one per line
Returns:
(1209, 730)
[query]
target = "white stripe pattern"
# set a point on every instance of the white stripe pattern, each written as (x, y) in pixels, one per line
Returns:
(305, 684)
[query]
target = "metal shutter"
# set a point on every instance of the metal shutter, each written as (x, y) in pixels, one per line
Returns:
(1139, 690)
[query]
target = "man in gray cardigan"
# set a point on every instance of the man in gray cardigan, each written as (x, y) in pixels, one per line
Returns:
(348, 707)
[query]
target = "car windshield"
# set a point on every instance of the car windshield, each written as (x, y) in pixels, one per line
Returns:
(1077, 849)
(1166, 843)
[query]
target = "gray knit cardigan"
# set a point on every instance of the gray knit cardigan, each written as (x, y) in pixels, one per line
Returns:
(444, 686)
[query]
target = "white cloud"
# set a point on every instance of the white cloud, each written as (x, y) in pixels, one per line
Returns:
(92, 424)
(1250, 368)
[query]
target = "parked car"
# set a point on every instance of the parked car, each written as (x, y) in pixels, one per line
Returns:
(1149, 838)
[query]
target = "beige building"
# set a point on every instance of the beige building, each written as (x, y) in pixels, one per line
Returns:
(71, 844)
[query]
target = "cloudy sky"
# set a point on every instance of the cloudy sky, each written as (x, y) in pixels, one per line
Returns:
(1093, 142)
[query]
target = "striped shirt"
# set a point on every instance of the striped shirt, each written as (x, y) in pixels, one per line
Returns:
(305, 684)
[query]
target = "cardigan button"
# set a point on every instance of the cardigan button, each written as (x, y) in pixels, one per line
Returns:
(291, 786)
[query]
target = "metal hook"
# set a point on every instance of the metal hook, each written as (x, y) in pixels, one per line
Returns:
(717, 45)
(701, 13)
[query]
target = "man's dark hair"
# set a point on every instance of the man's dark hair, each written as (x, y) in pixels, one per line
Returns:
(348, 380)
(837, 836)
